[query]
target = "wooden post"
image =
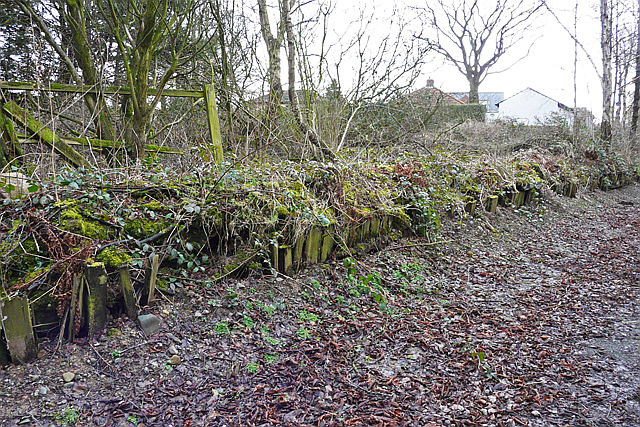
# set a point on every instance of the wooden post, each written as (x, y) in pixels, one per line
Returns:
(97, 297)
(313, 246)
(470, 207)
(327, 243)
(15, 316)
(286, 260)
(492, 204)
(275, 257)
(127, 292)
(298, 251)
(214, 122)
(76, 301)
(150, 276)
(374, 227)
(10, 144)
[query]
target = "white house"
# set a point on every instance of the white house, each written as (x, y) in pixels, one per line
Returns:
(531, 107)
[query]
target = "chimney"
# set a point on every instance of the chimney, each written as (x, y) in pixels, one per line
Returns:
(430, 82)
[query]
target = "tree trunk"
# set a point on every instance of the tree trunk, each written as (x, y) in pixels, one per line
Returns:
(636, 92)
(274, 46)
(474, 86)
(605, 44)
(84, 57)
(136, 135)
(293, 99)
(138, 75)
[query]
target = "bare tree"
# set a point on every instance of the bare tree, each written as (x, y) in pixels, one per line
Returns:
(274, 48)
(159, 26)
(293, 97)
(475, 37)
(636, 93)
(617, 54)
(360, 66)
(607, 79)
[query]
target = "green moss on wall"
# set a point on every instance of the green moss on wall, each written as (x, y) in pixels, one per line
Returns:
(142, 228)
(114, 257)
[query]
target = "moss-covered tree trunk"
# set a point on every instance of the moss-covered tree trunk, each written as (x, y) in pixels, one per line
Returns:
(136, 135)
(274, 47)
(75, 18)
(154, 27)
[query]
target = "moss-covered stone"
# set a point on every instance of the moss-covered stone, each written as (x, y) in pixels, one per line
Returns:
(154, 206)
(18, 329)
(73, 221)
(143, 228)
(228, 268)
(114, 257)
(18, 259)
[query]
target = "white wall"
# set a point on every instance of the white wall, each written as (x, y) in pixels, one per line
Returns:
(530, 107)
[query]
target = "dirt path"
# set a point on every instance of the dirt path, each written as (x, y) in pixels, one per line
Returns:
(524, 318)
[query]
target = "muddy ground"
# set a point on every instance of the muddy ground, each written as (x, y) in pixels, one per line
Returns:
(526, 317)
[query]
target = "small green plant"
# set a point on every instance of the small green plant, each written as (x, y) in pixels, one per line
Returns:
(304, 333)
(252, 367)
(485, 366)
(269, 310)
(68, 416)
(340, 299)
(222, 328)
(272, 341)
(479, 355)
(316, 285)
(133, 419)
(271, 358)
(231, 294)
(115, 354)
(308, 317)
(248, 322)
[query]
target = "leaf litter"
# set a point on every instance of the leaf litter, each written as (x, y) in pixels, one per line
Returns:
(518, 318)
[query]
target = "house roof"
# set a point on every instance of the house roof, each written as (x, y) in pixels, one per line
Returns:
(560, 104)
(433, 94)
